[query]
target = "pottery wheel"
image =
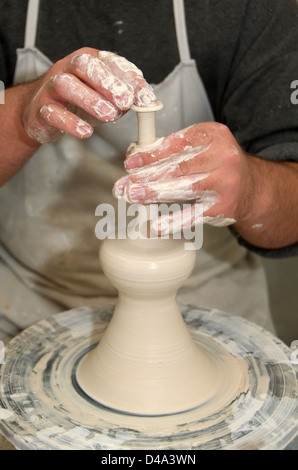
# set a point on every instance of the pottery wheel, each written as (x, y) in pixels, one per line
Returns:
(42, 407)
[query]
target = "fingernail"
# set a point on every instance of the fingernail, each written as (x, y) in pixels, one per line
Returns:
(122, 96)
(105, 55)
(52, 80)
(119, 186)
(133, 162)
(84, 129)
(135, 193)
(145, 97)
(124, 100)
(105, 111)
(117, 191)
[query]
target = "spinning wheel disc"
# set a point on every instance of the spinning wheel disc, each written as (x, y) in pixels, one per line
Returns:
(41, 406)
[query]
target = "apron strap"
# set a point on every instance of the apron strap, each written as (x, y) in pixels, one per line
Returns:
(180, 24)
(31, 23)
(181, 31)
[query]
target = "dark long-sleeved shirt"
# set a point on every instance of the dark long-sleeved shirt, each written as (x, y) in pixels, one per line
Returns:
(246, 52)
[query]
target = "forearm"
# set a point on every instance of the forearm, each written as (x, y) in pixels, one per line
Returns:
(271, 219)
(16, 147)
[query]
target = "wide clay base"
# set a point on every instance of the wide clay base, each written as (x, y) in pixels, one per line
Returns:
(42, 407)
(212, 380)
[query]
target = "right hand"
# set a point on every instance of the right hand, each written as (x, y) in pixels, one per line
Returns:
(81, 90)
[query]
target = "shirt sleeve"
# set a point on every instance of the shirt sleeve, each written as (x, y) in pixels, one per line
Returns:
(285, 252)
(257, 105)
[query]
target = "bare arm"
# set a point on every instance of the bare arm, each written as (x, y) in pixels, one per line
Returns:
(16, 147)
(271, 216)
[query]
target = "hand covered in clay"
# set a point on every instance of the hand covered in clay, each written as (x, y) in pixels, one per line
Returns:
(202, 163)
(81, 90)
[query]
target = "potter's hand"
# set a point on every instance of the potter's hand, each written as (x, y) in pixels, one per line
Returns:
(202, 163)
(81, 90)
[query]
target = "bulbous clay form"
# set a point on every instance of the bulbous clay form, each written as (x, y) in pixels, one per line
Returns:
(147, 362)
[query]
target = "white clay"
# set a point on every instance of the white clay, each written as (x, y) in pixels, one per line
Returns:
(147, 362)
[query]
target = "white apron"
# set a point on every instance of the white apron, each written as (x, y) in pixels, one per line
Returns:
(48, 246)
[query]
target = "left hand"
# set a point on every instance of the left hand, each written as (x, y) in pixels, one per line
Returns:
(202, 163)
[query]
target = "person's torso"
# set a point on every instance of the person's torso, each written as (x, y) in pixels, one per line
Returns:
(47, 210)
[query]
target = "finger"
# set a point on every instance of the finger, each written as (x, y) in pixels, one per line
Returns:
(178, 189)
(137, 157)
(65, 121)
(168, 168)
(129, 73)
(93, 72)
(185, 141)
(187, 218)
(219, 221)
(179, 220)
(72, 90)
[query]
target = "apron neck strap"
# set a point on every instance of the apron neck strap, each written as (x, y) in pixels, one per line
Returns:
(180, 24)
(181, 31)
(31, 23)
